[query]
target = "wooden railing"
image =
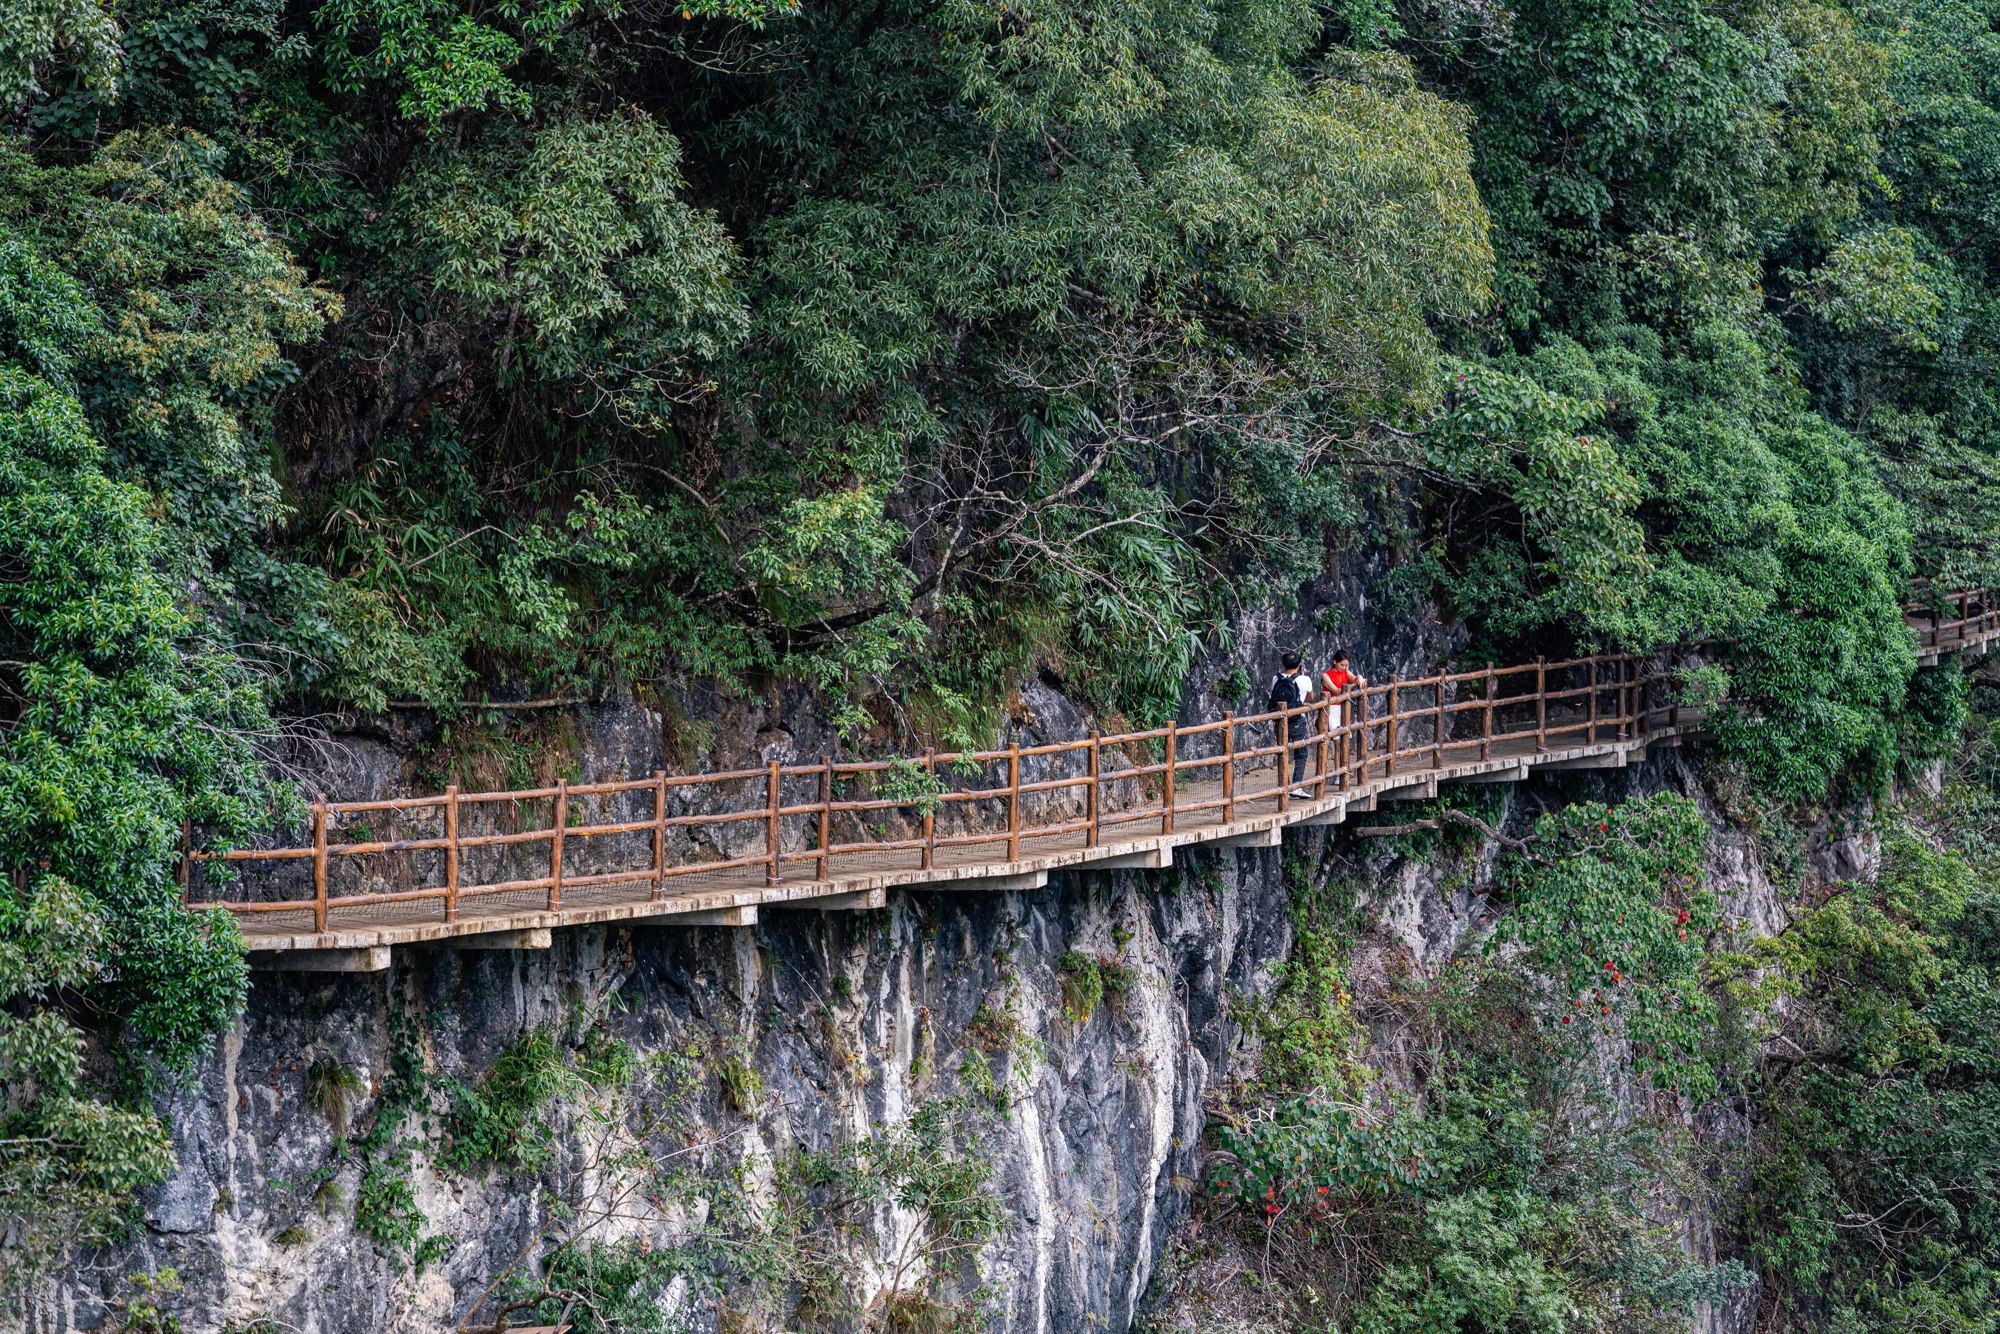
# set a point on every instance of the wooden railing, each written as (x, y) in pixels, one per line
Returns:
(809, 817)
(1975, 618)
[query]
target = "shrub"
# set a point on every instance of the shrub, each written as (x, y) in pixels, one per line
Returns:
(500, 1120)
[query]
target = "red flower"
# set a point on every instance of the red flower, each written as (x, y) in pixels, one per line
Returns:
(1322, 1190)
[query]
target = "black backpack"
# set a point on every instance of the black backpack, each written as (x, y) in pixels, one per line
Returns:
(1284, 692)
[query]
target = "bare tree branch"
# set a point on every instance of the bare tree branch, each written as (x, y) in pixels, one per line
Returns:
(1446, 817)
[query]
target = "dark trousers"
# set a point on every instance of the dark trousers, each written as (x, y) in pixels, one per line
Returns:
(1299, 733)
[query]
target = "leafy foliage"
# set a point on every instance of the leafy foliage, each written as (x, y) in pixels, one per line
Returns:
(503, 1118)
(140, 308)
(1314, 1154)
(918, 391)
(125, 722)
(1873, 1202)
(80, 34)
(895, 349)
(1308, 1031)
(1718, 410)
(1615, 913)
(1505, 1195)
(67, 1161)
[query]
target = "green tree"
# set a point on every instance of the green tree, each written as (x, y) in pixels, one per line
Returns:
(123, 724)
(79, 34)
(128, 719)
(1873, 1206)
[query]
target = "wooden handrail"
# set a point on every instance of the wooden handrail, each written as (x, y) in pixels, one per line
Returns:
(1343, 754)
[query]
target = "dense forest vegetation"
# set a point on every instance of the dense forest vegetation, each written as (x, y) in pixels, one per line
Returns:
(371, 353)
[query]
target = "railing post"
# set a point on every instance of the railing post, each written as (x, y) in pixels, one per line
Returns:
(556, 845)
(1486, 727)
(1013, 801)
(1167, 796)
(1389, 738)
(319, 865)
(1541, 704)
(1591, 696)
(1438, 726)
(659, 833)
(1624, 698)
(1284, 758)
(930, 811)
(1096, 800)
(1229, 767)
(772, 786)
(1360, 725)
(185, 871)
(826, 816)
(1325, 742)
(451, 852)
(1673, 700)
(1628, 697)
(1344, 752)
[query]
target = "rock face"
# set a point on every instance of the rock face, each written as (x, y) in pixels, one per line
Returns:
(849, 1021)
(1091, 1162)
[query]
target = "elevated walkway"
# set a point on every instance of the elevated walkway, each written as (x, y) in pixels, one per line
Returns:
(503, 870)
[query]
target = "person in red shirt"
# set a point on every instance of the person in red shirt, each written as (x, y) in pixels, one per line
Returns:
(1339, 678)
(1336, 681)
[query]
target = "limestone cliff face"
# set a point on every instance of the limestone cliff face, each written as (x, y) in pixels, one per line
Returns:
(849, 1021)
(1091, 1162)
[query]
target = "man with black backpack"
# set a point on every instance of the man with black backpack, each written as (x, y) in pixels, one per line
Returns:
(1292, 688)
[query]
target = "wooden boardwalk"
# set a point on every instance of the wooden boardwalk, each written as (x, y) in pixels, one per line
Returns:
(501, 870)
